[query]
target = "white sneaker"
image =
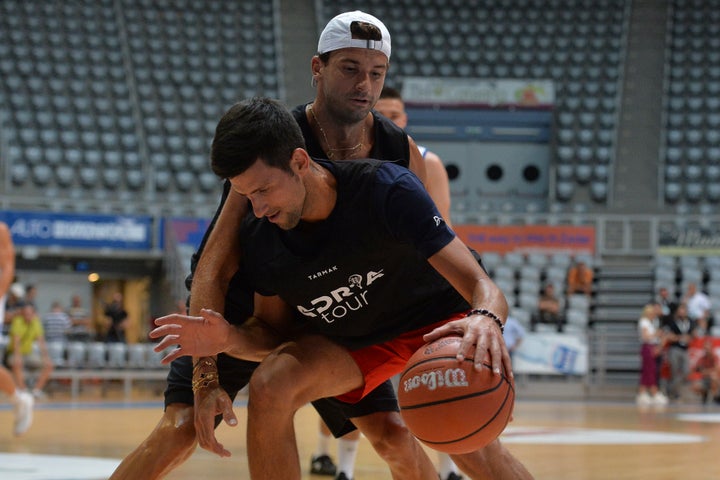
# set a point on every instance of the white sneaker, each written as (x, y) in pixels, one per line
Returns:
(23, 412)
(39, 394)
(659, 399)
(643, 399)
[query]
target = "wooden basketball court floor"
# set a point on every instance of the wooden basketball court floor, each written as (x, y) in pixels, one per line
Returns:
(555, 439)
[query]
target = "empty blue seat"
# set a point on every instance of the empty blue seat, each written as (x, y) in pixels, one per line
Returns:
(673, 191)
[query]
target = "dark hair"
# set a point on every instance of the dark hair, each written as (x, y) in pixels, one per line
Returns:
(258, 128)
(390, 92)
(365, 31)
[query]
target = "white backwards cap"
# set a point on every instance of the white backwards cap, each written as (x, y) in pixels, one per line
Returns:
(338, 34)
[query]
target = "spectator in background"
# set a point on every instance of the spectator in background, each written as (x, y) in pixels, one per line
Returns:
(22, 401)
(80, 329)
(667, 304)
(549, 310)
(513, 335)
(707, 384)
(56, 323)
(651, 339)
(391, 105)
(117, 319)
(27, 333)
(678, 332)
(698, 308)
(30, 295)
(13, 304)
(579, 279)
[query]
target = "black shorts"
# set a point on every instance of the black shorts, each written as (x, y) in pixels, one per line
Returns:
(235, 374)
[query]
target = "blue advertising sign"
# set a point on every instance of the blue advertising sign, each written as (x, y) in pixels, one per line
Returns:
(47, 229)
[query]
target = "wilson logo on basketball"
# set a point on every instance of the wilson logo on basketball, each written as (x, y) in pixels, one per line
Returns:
(448, 378)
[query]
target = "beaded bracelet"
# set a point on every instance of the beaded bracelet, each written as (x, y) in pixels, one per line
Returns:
(489, 314)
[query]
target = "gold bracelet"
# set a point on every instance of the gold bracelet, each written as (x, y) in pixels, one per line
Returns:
(205, 380)
(205, 362)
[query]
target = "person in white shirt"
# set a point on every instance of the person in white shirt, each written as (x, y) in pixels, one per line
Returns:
(698, 308)
(650, 350)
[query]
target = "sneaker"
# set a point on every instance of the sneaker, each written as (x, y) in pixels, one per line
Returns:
(453, 476)
(342, 476)
(39, 394)
(322, 465)
(23, 413)
(643, 399)
(659, 399)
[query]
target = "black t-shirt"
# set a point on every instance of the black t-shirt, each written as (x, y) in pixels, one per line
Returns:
(361, 276)
(391, 144)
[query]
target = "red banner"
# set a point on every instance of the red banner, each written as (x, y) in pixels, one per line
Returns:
(528, 238)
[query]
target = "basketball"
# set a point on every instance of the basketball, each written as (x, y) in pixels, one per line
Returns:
(448, 405)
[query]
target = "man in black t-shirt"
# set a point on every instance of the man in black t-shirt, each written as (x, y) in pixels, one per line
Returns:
(360, 254)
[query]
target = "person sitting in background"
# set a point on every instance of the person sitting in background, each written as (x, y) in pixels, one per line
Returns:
(579, 279)
(548, 309)
(56, 323)
(26, 331)
(513, 335)
(80, 329)
(651, 347)
(709, 369)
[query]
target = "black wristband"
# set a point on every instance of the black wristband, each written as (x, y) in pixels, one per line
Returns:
(489, 314)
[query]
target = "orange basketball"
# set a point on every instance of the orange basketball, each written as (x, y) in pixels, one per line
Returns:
(448, 405)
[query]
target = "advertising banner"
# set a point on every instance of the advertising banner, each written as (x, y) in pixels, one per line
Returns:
(47, 229)
(551, 354)
(688, 241)
(477, 92)
(528, 238)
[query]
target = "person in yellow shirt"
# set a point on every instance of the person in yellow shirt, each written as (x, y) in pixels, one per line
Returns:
(26, 330)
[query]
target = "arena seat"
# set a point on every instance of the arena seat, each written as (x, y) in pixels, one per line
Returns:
(75, 93)
(689, 131)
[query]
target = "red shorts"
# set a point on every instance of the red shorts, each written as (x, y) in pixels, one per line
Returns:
(381, 362)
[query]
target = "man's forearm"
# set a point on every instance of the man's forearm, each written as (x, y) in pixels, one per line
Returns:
(253, 340)
(219, 259)
(217, 264)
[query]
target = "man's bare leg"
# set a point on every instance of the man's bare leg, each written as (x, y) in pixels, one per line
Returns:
(494, 462)
(167, 447)
(394, 443)
(291, 377)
